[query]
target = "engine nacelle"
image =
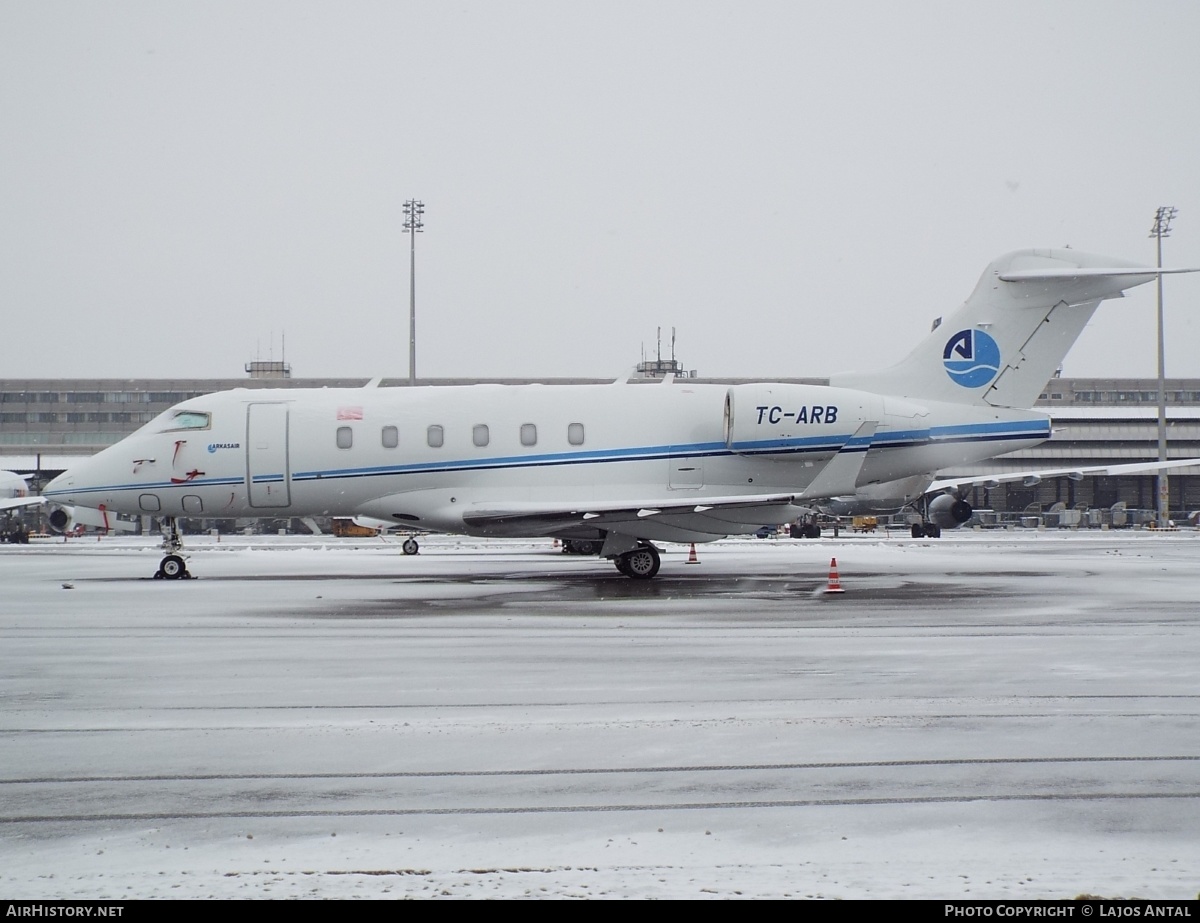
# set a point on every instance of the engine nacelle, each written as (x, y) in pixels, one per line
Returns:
(773, 418)
(64, 519)
(60, 520)
(949, 511)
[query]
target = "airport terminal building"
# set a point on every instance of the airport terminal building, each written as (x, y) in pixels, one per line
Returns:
(46, 423)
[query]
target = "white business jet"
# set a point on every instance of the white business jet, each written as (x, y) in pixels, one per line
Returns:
(622, 465)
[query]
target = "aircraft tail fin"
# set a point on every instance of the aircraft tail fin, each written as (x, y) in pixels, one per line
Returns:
(1006, 341)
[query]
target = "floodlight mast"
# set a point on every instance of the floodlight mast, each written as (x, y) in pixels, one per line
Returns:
(1162, 228)
(413, 225)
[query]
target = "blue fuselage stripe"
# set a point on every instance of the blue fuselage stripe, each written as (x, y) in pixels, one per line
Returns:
(933, 436)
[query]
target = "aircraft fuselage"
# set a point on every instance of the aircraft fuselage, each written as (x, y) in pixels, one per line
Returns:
(425, 457)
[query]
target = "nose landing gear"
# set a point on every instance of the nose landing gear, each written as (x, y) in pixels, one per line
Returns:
(172, 566)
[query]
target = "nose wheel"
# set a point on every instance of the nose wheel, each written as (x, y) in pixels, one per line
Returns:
(172, 566)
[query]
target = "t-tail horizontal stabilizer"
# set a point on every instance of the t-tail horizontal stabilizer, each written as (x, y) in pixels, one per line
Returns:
(1005, 342)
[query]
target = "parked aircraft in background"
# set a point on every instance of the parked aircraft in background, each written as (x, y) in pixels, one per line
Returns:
(949, 509)
(14, 491)
(14, 495)
(624, 464)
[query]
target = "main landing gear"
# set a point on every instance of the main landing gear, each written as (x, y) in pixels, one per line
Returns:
(410, 546)
(172, 566)
(581, 546)
(926, 530)
(641, 564)
(805, 530)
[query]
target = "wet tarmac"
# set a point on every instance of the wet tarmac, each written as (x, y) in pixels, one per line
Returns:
(969, 712)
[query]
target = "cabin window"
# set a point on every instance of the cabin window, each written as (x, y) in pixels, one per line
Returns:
(479, 434)
(345, 437)
(575, 434)
(528, 434)
(391, 437)
(435, 437)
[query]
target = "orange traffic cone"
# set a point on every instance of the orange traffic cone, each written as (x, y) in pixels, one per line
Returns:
(692, 559)
(835, 583)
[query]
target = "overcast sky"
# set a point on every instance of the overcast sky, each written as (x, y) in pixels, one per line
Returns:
(798, 188)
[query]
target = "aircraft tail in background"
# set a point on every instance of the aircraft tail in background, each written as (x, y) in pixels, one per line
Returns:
(1006, 341)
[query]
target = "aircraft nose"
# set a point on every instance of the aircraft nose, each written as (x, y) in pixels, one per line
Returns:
(59, 484)
(72, 484)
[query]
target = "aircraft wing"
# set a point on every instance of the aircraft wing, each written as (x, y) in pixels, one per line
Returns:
(1030, 478)
(13, 503)
(666, 518)
(1053, 275)
(678, 518)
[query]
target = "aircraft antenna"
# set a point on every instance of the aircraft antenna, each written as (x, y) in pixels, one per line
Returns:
(1162, 228)
(413, 225)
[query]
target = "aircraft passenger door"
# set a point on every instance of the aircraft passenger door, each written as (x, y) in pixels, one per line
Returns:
(268, 478)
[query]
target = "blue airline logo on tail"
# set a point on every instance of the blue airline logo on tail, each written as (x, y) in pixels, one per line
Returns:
(972, 358)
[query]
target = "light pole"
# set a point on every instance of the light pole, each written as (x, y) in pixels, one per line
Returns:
(1162, 228)
(413, 212)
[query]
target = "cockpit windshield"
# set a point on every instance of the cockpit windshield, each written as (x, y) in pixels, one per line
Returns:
(188, 419)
